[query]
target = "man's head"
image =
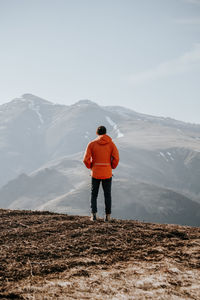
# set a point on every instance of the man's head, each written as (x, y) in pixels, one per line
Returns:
(101, 130)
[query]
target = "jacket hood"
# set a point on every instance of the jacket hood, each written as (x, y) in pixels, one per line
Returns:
(103, 139)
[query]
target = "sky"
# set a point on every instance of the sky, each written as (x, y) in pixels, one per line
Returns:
(140, 54)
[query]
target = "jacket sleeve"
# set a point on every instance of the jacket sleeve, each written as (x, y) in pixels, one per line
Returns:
(114, 157)
(88, 157)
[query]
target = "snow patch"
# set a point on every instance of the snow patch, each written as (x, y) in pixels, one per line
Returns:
(114, 125)
(163, 155)
(170, 155)
(166, 156)
(36, 108)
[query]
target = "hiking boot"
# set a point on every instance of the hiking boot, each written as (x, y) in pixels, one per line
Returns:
(107, 218)
(93, 217)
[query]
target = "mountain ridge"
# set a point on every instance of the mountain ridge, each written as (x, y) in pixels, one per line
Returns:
(28, 96)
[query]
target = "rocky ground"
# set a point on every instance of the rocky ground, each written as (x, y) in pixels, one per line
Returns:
(54, 256)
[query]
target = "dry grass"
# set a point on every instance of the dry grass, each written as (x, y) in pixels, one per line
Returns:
(54, 256)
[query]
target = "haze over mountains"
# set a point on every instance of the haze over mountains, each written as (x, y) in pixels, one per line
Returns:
(42, 146)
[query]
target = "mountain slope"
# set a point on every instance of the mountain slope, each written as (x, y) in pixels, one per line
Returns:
(42, 146)
(57, 256)
(64, 186)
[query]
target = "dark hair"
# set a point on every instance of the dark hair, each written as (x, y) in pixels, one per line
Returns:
(101, 130)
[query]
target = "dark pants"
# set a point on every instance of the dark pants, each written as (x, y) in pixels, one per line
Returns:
(106, 184)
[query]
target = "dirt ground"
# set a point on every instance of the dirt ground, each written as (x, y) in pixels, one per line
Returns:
(55, 256)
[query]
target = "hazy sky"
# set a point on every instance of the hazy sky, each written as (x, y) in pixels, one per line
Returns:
(141, 54)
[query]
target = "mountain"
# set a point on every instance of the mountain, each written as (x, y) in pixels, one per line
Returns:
(23, 126)
(57, 256)
(42, 146)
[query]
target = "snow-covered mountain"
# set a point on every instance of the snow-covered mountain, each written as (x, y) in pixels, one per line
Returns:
(42, 146)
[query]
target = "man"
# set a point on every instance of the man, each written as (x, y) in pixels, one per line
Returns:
(101, 156)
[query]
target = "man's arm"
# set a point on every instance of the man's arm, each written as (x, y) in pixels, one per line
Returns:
(114, 157)
(88, 157)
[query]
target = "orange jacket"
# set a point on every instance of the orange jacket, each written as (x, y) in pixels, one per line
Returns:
(101, 156)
